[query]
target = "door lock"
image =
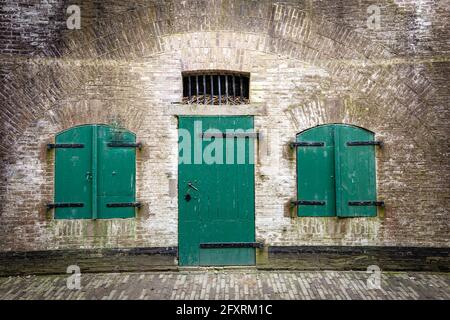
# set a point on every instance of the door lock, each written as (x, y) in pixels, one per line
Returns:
(187, 197)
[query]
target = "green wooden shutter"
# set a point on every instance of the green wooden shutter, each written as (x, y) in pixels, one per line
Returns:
(116, 173)
(355, 172)
(73, 173)
(315, 172)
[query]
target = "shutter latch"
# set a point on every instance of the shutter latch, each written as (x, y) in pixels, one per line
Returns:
(124, 145)
(64, 145)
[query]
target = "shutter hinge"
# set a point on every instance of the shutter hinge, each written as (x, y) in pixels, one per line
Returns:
(65, 205)
(124, 204)
(365, 143)
(124, 145)
(306, 144)
(366, 203)
(307, 203)
(64, 145)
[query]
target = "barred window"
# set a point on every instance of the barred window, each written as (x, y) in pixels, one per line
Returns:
(215, 87)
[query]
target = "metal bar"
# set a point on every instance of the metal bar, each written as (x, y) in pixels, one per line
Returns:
(64, 145)
(220, 89)
(226, 89)
(240, 79)
(229, 135)
(204, 89)
(212, 89)
(94, 171)
(65, 205)
(234, 89)
(189, 85)
(212, 245)
(308, 203)
(365, 143)
(307, 144)
(366, 203)
(124, 145)
(196, 87)
(124, 204)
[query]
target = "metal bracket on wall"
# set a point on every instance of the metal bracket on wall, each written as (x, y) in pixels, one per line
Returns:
(64, 205)
(366, 203)
(64, 145)
(124, 204)
(307, 203)
(365, 143)
(221, 245)
(306, 144)
(125, 145)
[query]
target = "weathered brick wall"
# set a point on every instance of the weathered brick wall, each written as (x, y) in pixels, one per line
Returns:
(311, 62)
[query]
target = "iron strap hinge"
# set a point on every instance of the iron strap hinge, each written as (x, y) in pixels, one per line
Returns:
(212, 245)
(64, 145)
(366, 203)
(124, 204)
(306, 144)
(224, 135)
(125, 145)
(307, 203)
(365, 143)
(65, 205)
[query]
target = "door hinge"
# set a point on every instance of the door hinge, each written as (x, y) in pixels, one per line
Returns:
(224, 135)
(65, 205)
(366, 203)
(365, 143)
(124, 145)
(307, 203)
(306, 144)
(219, 245)
(124, 204)
(64, 145)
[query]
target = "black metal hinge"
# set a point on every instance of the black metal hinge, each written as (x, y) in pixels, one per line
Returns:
(64, 145)
(124, 145)
(307, 203)
(212, 245)
(365, 143)
(366, 203)
(65, 205)
(224, 135)
(124, 204)
(306, 144)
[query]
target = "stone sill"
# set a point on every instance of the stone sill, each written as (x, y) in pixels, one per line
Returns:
(257, 109)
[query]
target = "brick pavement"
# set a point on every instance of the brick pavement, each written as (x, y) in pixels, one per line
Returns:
(230, 284)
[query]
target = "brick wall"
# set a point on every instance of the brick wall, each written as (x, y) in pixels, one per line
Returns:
(311, 62)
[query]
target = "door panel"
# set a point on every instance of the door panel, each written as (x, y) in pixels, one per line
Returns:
(218, 205)
(73, 173)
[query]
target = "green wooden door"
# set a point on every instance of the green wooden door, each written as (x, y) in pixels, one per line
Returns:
(215, 191)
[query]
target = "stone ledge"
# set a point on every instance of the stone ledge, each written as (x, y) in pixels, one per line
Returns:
(215, 110)
(269, 258)
(387, 258)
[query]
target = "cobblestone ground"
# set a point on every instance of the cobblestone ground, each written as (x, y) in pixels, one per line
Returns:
(244, 284)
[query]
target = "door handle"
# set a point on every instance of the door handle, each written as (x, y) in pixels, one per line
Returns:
(88, 176)
(190, 185)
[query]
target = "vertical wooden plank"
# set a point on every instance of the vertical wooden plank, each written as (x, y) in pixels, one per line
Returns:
(94, 171)
(357, 181)
(73, 171)
(315, 172)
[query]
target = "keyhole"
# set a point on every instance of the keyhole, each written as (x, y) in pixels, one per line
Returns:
(187, 197)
